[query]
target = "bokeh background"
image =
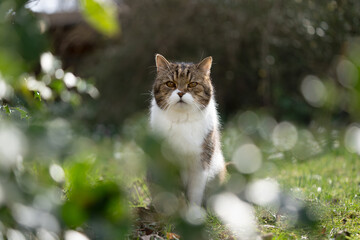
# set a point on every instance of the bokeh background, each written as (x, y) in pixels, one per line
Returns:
(75, 87)
(262, 53)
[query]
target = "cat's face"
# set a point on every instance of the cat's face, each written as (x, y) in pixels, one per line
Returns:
(182, 86)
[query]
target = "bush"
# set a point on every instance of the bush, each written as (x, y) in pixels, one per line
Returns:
(261, 52)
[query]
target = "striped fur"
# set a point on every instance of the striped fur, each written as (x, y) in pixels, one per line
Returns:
(182, 74)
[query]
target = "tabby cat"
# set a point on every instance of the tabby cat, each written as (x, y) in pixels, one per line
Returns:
(183, 111)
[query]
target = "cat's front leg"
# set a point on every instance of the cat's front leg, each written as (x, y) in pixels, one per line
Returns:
(196, 186)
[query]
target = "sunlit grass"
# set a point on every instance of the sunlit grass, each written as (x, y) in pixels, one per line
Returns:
(330, 183)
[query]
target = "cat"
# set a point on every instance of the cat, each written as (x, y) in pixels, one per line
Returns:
(183, 111)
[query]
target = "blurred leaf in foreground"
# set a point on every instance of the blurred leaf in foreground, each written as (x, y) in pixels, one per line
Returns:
(99, 205)
(101, 15)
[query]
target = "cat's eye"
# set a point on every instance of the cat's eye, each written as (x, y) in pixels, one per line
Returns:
(170, 84)
(192, 84)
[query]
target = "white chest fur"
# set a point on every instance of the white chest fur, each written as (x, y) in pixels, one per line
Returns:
(185, 131)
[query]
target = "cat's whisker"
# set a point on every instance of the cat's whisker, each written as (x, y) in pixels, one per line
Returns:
(147, 93)
(199, 108)
(168, 107)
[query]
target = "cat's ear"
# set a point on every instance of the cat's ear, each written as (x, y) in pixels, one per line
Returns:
(205, 65)
(161, 62)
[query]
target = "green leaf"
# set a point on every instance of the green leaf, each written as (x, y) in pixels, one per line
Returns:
(37, 96)
(101, 16)
(57, 86)
(23, 113)
(73, 214)
(7, 109)
(10, 64)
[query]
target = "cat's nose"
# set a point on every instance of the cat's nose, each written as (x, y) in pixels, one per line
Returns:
(181, 94)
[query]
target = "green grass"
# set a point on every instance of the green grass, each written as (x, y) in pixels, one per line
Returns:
(329, 183)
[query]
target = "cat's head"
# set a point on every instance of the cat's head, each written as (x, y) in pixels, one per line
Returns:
(182, 86)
